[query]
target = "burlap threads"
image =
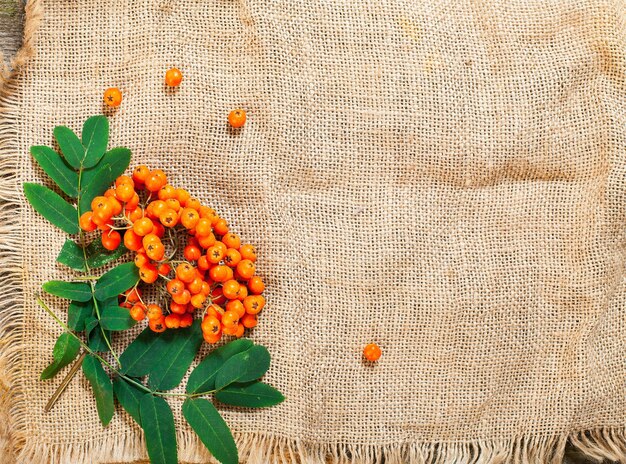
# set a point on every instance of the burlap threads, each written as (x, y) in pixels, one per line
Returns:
(443, 178)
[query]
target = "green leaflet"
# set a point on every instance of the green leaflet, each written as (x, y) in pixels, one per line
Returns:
(143, 354)
(250, 395)
(72, 256)
(159, 429)
(78, 291)
(129, 397)
(212, 430)
(102, 388)
(177, 358)
(95, 137)
(70, 145)
(202, 378)
(95, 180)
(98, 256)
(52, 207)
(65, 350)
(114, 317)
(53, 165)
(243, 367)
(96, 335)
(116, 281)
(77, 314)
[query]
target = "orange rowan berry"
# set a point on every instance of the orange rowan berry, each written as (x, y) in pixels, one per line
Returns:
(166, 192)
(372, 352)
(169, 218)
(231, 240)
(232, 257)
(183, 297)
(182, 196)
(248, 252)
(186, 320)
(203, 263)
(124, 192)
(236, 306)
(203, 227)
(207, 241)
(221, 227)
(185, 272)
(230, 319)
(158, 230)
(256, 285)
(197, 300)
(239, 331)
(177, 308)
(143, 226)
(141, 259)
(254, 304)
(216, 253)
(112, 97)
(175, 286)
(140, 174)
(164, 269)
(242, 293)
(192, 253)
(123, 179)
(194, 204)
(150, 238)
(111, 240)
(132, 295)
(230, 330)
(212, 339)
(106, 225)
(237, 118)
(155, 250)
(206, 212)
(157, 325)
(172, 321)
(154, 312)
(230, 289)
(249, 320)
(148, 273)
(102, 208)
(138, 312)
(189, 218)
(134, 215)
(132, 204)
(220, 273)
(86, 222)
(173, 77)
(110, 193)
(156, 208)
(205, 288)
(155, 180)
(246, 269)
(211, 324)
(195, 286)
(173, 203)
(115, 205)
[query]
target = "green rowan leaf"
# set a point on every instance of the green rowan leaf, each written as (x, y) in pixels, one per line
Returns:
(250, 395)
(116, 281)
(95, 138)
(70, 145)
(243, 367)
(52, 207)
(159, 429)
(102, 388)
(77, 314)
(72, 256)
(64, 352)
(129, 397)
(53, 165)
(78, 291)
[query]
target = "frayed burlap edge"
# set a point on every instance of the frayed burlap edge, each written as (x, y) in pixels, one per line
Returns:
(17, 446)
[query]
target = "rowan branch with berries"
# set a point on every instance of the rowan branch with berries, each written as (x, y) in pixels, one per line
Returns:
(202, 292)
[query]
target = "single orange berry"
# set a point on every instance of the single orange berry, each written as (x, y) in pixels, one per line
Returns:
(237, 118)
(189, 218)
(220, 227)
(178, 308)
(186, 320)
(157, 325)
(148, 273)
(132, 295)
(140, 174)
(156, 208)
(205, 288)
(215, 254)
(155, 180)
(192, 203)
(138, 312)
(123, 179)
(124, 192)
(254, 304)
(197, 301)
(221, 273)
(185, 272)
(236, 306)
(141, 259)
(372, 352)
(192, 253)
(206, 241)
(111, 240)
(172, 321)
(134, 215)
(86, 223)
(116, 205)
(246, 269)
(203, 227)
(164, 269)
(158, 230)
(230, 289)
(256, 285)
(182, 196)
(166, 192)
(239, 331)
(230, 319)
(143, 226)
(132, 204)
(195, 286)
(155, 250)
(203, 263)
(112, 97)
(231, 240)
(169, 218)
(212, 339)
(173, 77)
(211, 325)
(232, 257)
(154, 312)
(175, 286)
(249, 321)
(183, 297)
(248, 252)
(242, 293)
(217, 296)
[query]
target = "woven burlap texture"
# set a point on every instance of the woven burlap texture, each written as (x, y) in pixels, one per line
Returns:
(444, 178)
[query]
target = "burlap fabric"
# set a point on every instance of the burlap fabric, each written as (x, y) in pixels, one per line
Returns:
(445, 178)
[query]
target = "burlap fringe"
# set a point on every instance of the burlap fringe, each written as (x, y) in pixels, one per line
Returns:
(264, 449)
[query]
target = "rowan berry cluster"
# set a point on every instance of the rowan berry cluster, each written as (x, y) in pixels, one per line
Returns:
(216, 275)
